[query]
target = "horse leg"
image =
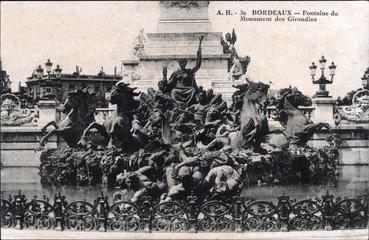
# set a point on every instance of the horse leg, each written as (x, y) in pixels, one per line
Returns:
(53, 123)
(100, 128)
(46, 137)
(315, 127)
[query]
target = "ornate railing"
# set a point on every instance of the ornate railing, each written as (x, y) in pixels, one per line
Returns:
(239, 215)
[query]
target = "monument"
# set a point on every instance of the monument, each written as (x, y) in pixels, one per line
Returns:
(179, 158)
(179, 28)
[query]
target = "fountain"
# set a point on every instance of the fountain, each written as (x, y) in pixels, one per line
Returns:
(202, 146)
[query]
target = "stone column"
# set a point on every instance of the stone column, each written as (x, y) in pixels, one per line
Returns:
(323, 109)
(47, 111)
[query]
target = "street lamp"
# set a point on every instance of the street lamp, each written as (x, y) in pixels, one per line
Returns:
(322, 81)
(58, 71)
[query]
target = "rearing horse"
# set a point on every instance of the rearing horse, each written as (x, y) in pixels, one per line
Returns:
(79, 112)
(117, 128)
(253, 123)
(298, 128)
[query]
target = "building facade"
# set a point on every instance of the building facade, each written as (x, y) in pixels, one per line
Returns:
(53, 84)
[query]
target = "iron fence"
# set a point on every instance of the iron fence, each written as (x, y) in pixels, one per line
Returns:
(238, 215)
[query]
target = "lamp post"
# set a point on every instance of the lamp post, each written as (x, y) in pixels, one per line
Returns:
(47, 102)
(322, 81)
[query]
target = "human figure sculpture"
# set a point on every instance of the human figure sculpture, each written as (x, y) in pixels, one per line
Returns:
(239, 69)
(225, 133)
(139, 182)
(161, 105)
(223, 180)
(182, 83)
(200, 107)
(11, 112)
(139, 43)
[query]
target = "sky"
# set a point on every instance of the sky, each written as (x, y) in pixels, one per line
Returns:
(95, 34)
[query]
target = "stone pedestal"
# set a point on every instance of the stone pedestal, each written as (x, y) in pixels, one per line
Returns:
(184, 16)
(179, 28)
(19, 159)
(323, 111)
(47, 111)
(354, 148)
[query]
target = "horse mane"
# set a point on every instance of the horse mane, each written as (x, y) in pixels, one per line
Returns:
(250, 87)
(127, 94)
(283, 93)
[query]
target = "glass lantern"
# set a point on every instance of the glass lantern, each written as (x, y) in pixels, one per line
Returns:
(58, 71)
(39, 71)
(48, 66)
(332, 69)
(313, 68)
(322, 63)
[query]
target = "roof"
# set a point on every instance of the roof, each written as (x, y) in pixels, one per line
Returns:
(79, 77)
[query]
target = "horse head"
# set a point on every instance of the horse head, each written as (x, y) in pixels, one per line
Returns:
(70, 103)
(123, 96)
(294, 97)
(254, 91)
(257, 92)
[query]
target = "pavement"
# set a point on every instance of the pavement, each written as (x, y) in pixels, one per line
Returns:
(360, 234)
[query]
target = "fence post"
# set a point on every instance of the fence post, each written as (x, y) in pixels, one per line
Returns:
(284, 210)
(19, 209)
(192, 213)
(102, 210)
(327, 211)
(59, 210)
(146, 212)
(237, 207)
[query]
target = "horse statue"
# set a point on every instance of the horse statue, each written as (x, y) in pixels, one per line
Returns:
(79, 107)
(298, 128)
(117, 128)
(253, 123)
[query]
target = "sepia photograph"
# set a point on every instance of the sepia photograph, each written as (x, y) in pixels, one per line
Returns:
(184, 120)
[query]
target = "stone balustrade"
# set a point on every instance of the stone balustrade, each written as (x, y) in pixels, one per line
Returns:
(101, 114)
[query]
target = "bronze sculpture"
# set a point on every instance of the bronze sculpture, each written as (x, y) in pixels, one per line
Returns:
(182, 83)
